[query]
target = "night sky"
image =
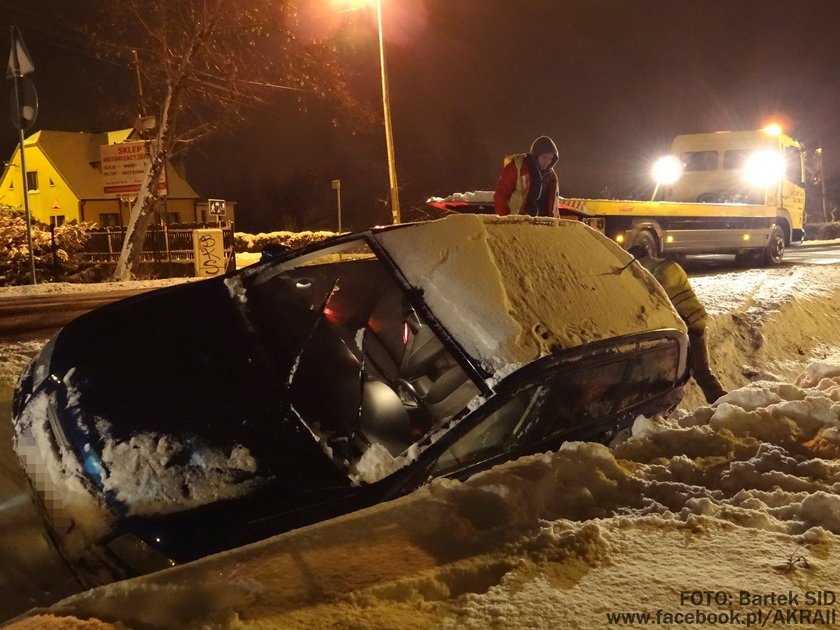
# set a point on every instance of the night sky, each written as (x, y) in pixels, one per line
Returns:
(611, 81)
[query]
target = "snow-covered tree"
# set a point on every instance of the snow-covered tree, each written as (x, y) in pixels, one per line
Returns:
(199, 62)
(57, 252)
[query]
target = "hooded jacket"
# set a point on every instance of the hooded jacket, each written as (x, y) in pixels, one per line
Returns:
(521, 183)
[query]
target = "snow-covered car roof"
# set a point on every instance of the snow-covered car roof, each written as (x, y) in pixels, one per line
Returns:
(510, 294)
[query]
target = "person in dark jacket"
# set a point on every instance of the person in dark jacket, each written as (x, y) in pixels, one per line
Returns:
(528, 183)
(674, 280)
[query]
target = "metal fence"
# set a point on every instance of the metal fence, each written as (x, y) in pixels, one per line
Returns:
(162, 243)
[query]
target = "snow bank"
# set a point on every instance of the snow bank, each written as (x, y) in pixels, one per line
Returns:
(560, 286)
(484, 196)
(768, 324)
(740, 496)
(47, 288)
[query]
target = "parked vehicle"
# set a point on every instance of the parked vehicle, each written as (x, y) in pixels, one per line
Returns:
(738, 192)
(204, 416)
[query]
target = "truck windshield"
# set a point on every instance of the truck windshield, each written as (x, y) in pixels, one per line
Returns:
(699, 160)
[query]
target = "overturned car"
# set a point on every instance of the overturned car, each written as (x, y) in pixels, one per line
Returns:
(197, 418)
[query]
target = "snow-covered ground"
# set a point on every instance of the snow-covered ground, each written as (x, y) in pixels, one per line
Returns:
(731, 511)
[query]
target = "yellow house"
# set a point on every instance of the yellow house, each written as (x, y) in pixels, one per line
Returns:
(64, 177)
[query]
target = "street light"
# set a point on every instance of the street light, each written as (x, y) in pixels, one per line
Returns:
(389, 134)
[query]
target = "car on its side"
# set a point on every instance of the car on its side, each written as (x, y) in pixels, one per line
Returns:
(207, 415)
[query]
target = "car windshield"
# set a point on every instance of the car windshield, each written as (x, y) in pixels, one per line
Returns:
(364, 367)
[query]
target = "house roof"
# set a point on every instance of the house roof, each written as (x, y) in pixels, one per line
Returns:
(75, 155)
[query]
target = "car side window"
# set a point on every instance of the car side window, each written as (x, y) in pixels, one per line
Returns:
(368, 369)
(494, 434)
(571, 401)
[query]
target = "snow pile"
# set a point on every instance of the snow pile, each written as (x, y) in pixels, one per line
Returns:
(14, 357)
(740, 496)
(744, 495)
(254, 243)
(155, 474)
(481, 196)
(545, 280)
(766, 325)
(47, 288)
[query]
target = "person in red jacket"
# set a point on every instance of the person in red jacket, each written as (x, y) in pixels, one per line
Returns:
(528, 183)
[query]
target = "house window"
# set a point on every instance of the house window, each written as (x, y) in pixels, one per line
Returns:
(57, 220)
(171, 218)
(32, 180)
(109, 219)
(52, 183)
(11, 185)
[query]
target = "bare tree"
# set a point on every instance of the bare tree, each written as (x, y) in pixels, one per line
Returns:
(201, 62)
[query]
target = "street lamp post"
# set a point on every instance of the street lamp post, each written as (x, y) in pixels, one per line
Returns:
(389, 134)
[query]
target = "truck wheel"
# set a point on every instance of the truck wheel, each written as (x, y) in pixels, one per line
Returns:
(646, 237)
(774, 251)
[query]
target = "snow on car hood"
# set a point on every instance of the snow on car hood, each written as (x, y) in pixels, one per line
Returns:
(513, 289)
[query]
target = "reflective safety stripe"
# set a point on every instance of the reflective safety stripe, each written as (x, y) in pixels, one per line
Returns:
(517, 199)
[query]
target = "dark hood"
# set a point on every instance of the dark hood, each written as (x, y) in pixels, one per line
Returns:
(544, 144)
(182, 361)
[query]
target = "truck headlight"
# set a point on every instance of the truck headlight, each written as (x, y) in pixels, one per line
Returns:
(764, 168)
(667, 170)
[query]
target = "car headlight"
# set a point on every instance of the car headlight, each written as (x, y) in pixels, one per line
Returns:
(33, 376)
(137, 555)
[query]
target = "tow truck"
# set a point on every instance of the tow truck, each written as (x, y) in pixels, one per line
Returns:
(728, 192)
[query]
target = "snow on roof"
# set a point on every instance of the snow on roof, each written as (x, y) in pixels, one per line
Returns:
(513, 289)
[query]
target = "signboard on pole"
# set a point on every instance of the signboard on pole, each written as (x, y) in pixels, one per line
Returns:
(20, 63)
(218, 207)
(24, 110)
(209, 252)
(124, 167)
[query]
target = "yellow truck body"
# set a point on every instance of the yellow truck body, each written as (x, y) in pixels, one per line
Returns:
(710, 208)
